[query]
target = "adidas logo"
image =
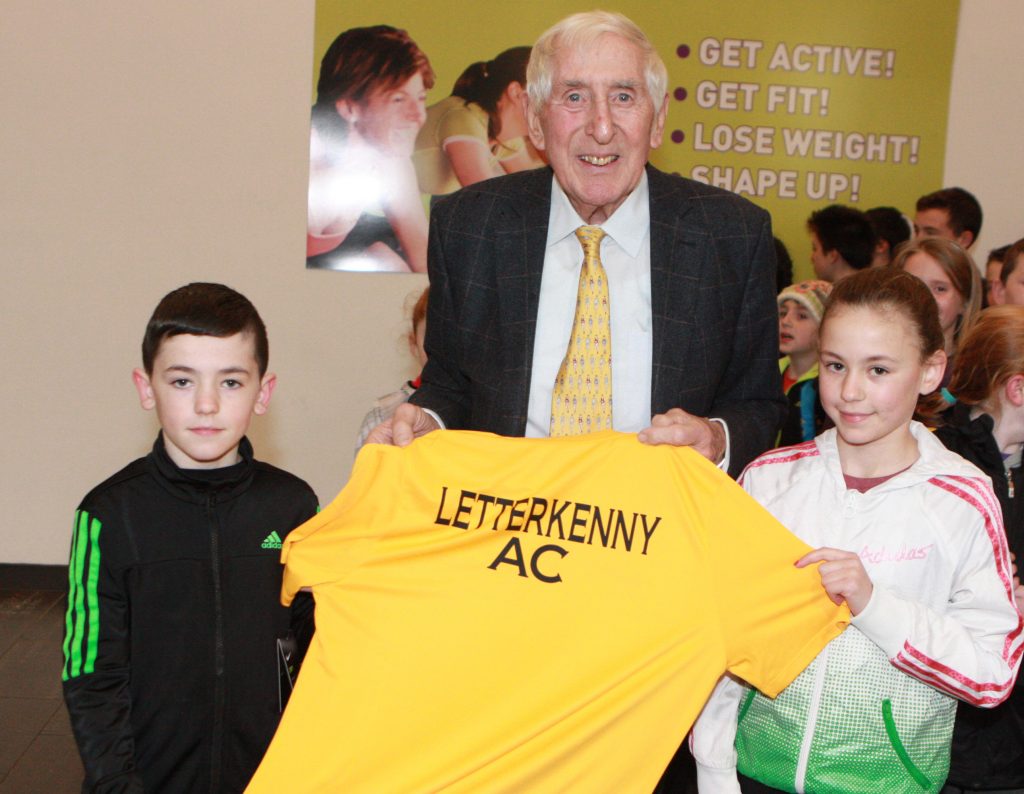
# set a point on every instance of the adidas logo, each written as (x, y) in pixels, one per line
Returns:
(271, 541)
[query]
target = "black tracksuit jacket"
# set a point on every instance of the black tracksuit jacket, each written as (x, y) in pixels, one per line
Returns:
(988, 744)
(170, 655)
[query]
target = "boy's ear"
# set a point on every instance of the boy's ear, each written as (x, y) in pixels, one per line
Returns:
(934, 369)
(263, 398)
(998, 292)
(144, 388)
(1014, 390)
(965, 239)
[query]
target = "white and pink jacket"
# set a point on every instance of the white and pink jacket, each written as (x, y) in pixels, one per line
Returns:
(874, 711)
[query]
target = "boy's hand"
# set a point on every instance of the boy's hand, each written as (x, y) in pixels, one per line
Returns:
(409, 423)
(842, 575)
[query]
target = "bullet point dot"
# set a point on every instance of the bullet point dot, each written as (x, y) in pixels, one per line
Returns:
(683, 51)
(678, 136)
(680, 94)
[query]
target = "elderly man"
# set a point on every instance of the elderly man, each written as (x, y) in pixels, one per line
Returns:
(683, 275)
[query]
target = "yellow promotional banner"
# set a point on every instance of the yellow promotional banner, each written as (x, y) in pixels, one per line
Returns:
(794, 104)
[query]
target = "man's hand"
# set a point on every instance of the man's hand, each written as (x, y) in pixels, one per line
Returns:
(680, 429)
(409, 422)
(842, 575)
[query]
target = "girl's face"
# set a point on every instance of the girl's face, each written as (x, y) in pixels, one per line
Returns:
(870, 377)
(951, 302)
(390, 120)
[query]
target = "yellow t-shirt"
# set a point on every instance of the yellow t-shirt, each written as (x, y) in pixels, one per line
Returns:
(498, 614)
(450, 119)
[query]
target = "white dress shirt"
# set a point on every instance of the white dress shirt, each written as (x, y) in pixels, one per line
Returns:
(626, 256)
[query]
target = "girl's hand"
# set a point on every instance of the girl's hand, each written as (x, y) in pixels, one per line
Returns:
(842, 575)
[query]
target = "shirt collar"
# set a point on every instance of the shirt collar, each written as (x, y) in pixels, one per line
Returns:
(628, 226)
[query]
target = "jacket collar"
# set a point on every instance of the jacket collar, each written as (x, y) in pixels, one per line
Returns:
(934, 461)
(200, 485)
(808, 375)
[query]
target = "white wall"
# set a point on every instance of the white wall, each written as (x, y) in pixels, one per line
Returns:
(986, 118)
(148, 144)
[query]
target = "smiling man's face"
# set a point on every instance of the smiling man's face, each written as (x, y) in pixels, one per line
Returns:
(599, 124)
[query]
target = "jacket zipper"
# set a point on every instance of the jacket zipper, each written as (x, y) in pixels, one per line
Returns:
(812, 722)
(216, 749)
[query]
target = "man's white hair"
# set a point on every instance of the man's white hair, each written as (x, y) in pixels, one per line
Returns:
(579, 31)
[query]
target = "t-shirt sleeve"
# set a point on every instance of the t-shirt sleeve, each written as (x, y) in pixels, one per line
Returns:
(462, 123)
(774, 617)
(333, 541)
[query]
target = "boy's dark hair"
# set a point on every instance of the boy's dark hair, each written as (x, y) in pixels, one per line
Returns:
(998, 254)
(963, 208)
(847, 231)
(204, 309)
(889, 225)
(1010, 259)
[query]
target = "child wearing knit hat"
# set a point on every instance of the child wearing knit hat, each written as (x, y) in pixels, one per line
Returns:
(800, 308)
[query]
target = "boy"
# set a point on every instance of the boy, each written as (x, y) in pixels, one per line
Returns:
(800, 309)
(1011, 278)
(170, 656)
(891, 229)
(842, 242)
(993, 280)
(952, 212)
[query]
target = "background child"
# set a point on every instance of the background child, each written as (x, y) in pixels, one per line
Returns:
(842, 242)
(384, 407)
(1011, 276)
(170, 661)
(910, 537)
(993, 279)
(986, 426)
(800, 309)
(950, 274)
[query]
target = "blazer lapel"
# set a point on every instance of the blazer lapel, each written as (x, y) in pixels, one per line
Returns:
(678, 248)
(520, 245)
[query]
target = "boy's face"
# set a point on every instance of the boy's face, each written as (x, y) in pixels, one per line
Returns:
(934, 222)
(993, 278)
(798, 330)
(1012, 292)
(205, 390)
(822, 261)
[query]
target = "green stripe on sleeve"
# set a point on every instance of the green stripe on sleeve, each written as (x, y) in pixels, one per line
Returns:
(92, 596)
(72, 588)
(79, 562)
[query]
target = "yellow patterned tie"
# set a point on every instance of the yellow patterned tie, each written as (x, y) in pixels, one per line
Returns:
(581, 401)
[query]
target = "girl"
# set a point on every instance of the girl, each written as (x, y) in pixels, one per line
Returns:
(909, 535)
(986, 426)
(953, 279)
(479, 131)
(385, 407)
